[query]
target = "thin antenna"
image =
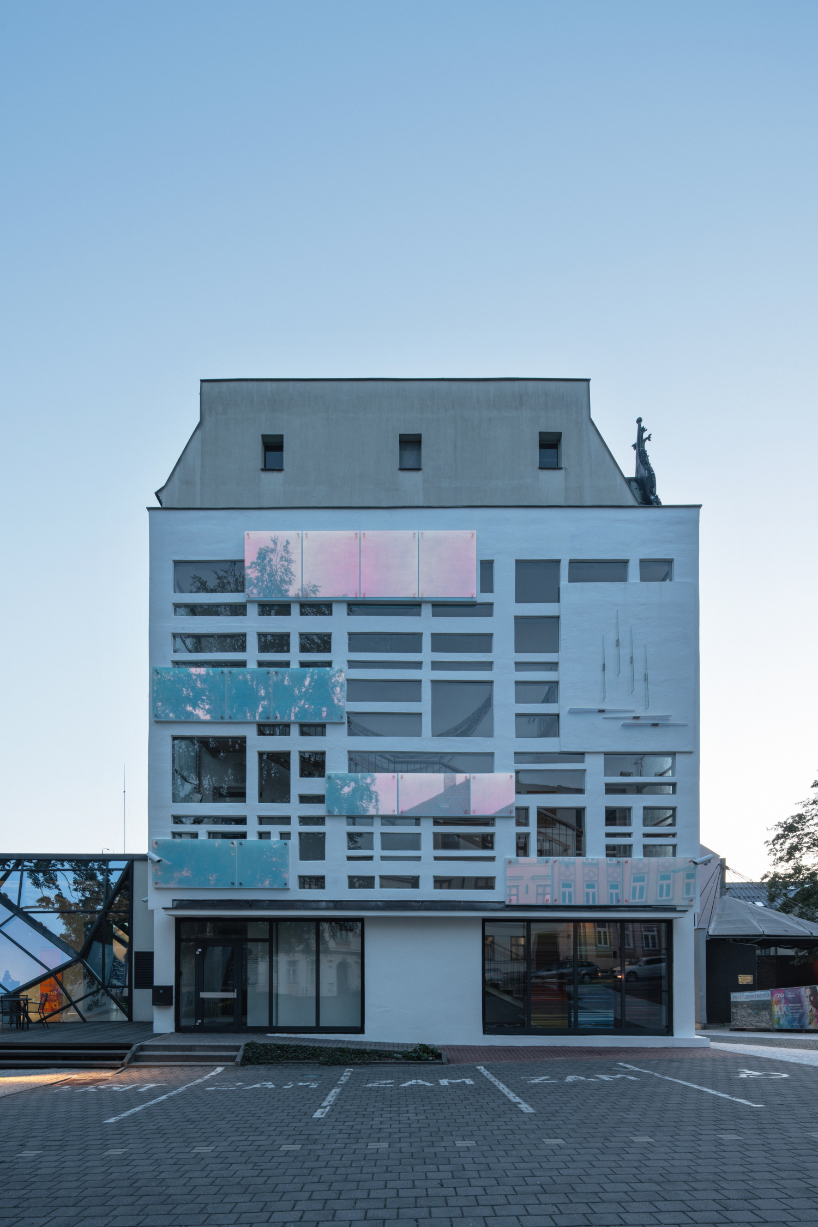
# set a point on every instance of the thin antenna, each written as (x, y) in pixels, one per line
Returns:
(123, 807)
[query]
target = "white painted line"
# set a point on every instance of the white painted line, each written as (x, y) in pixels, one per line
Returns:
(799, 1056)
(521, 1104)
(112, 1119)
(336, 1090)
(694, 1085)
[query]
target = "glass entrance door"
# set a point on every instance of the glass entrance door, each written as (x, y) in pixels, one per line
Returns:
(218, 1003)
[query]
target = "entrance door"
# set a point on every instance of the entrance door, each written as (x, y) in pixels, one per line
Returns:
(218, 1001)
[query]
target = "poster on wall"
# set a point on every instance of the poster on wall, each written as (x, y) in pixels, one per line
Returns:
(795, 1009)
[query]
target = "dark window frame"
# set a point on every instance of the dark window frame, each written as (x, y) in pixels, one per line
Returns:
(550, 449)
(410, 449)
(272, 446)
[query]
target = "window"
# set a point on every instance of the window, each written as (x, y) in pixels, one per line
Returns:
(314, 643)
(521, 843)
(209, 770)
(274, 821)
(550, 756)
(521, 816)
(618, 851)
(368, 690)
(207, 820)
(391, 881)
(486, 575)
(235, 663)
(462, 709)
(383, 611)
(550, 449)
(312, 820)
(536, 634)
(409, 447)
(184, 834)
(617, 817)
(466, 883)
(536, 581)
(536, 692)
(315, 664)
(640, 764)
(622, 790)
(384, 664)
(273, 451)
(536, 726)
(400, 841)
(316, 609)
(274, 643)
(210, 611)
(278, 609)
(484, 610)
(358, 882)
(273, 776)
(549, 781)
(312, 764)
(226, 834)
(311, 845)
(462, 666)
(458, 822)
(384, 724)
(453, 841)
(560, 832)
(273, 730)
(408, 760)
(361, 641)
(310, 798)
(598, 571)
(659, 850)
(658, 817)
(312, 883)
(210, 643)
(535, 666)
(360, 841)
(223, 575)
(655, 570)
(461, 643)
(312, 730)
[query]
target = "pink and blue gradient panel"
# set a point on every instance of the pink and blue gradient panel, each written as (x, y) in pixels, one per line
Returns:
(421, 794)
(362, 793)
(591, 881)
(331, 564)
(448, 564)
(389, 564)
(272, 565)
(493, 794)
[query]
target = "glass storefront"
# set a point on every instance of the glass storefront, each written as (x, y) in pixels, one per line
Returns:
(279, 975)
(576, 977)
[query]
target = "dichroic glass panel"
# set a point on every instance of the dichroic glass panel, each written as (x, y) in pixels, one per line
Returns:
(441, 794)
(493, 794)
(309, 696)
(331, 564)
(194, 862)
(389, 564)
(249, 694)
(263, 864)
(362, 793)
(188, 694)
(448, 564)
(272, 564)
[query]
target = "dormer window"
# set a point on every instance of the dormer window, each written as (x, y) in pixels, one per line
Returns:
(550, 443)
(273, 453)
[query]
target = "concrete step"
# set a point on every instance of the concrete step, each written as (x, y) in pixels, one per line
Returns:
(185, 1054)
(24, 1055)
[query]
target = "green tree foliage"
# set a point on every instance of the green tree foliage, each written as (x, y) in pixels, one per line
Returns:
(792, 884)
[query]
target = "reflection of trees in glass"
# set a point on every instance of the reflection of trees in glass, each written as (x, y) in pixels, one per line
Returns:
(226, 579)
(273, 570)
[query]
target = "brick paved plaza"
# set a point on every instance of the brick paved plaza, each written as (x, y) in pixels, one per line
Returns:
(563, 1142)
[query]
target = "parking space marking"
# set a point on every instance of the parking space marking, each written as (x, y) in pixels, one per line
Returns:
(334, 1093)
(509, 1094)
(113, 1119)
(694, 1086)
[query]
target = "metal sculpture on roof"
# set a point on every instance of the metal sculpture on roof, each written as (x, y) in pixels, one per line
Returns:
(644, 483)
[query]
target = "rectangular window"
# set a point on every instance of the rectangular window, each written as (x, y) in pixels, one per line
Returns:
(423, 761)
(655, 570)
(391, 881)
(313, 882)
(536, 692)
(362, 641)
(550, 444)
(598, 571)
(316, 609)
(617, 817)
(314, 643)
(274, 643)
(312, 764)
(312, 820)
(384, 664)
(273, 777)
(536, 726)
(547, 756)
(383, 611)
(535, 666)
(384, 724)
(227, 834)
(483, 610)
(461, 643)
(521, 843)
(400, 841)
(223, 575)
(462, 842)
(521, 816)
(658, 817)
(210, 611)
(629, 790)
(235, 663)
(315, 664)
(529, 782)
(640, 764)
(278, 609)
(464, 883)
(536, 581)
(659, 850)
(273, 730)
(311, 845)
(209, 770)
(273, 451)
(207, 820)
(359, 820)
(375, 690)
(209, 643)
(462, 666)
(360, 882)
(560, 832)
(312, 730)
(360, 841)
(184, 835)
(275, 820)
(486, 575)
(618, 851)
(409, 451)
(458, 822)
(462, 709)
(311, 798)
(536, 635)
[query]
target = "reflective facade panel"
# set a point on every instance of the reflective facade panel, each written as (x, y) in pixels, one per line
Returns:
(369, 793)
(220, 863)
(493, 794)
(389, 564)
(448, 564)
(309, 695)
(188, 694)
(272, 563)
(248, 694)
(305, 695)
(600, 882)
(434, 794)
(330, 564)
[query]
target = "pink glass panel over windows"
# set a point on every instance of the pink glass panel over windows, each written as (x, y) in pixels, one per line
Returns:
(331, 564)
(493, 794)
(448, 564)
(434, 794)
(272, 564)
(389, 564)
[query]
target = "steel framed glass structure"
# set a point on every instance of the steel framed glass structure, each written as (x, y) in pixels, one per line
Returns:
(65, 936)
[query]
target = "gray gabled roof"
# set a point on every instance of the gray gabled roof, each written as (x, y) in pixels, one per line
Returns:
(734, 918)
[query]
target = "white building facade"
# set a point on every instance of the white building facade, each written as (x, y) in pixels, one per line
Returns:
(424, 721)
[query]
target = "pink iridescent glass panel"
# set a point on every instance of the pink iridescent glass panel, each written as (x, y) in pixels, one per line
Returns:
(433, 794)
(272, 564)
(389, 564)
(493, 794)
(448, 564)
(331, 564)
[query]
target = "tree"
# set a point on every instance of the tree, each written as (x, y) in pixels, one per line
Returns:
(792, 884)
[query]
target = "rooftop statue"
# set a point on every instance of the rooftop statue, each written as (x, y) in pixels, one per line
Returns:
(644, 483)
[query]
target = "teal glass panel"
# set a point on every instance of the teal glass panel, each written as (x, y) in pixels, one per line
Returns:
(309, 695)
(248, 695)
(188, 694)
(352, 793)
(263, 863)
(194, 862)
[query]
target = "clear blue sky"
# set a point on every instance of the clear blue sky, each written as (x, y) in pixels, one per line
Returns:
(622, 190)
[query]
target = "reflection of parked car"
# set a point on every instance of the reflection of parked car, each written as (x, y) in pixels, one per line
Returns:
(563, 972)
(644, 969)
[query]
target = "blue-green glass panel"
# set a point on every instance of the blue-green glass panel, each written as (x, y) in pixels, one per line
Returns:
(309, 695)
(194, 862)
(248, 694)
(361, 793)
(188, 694)
(263, 863)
